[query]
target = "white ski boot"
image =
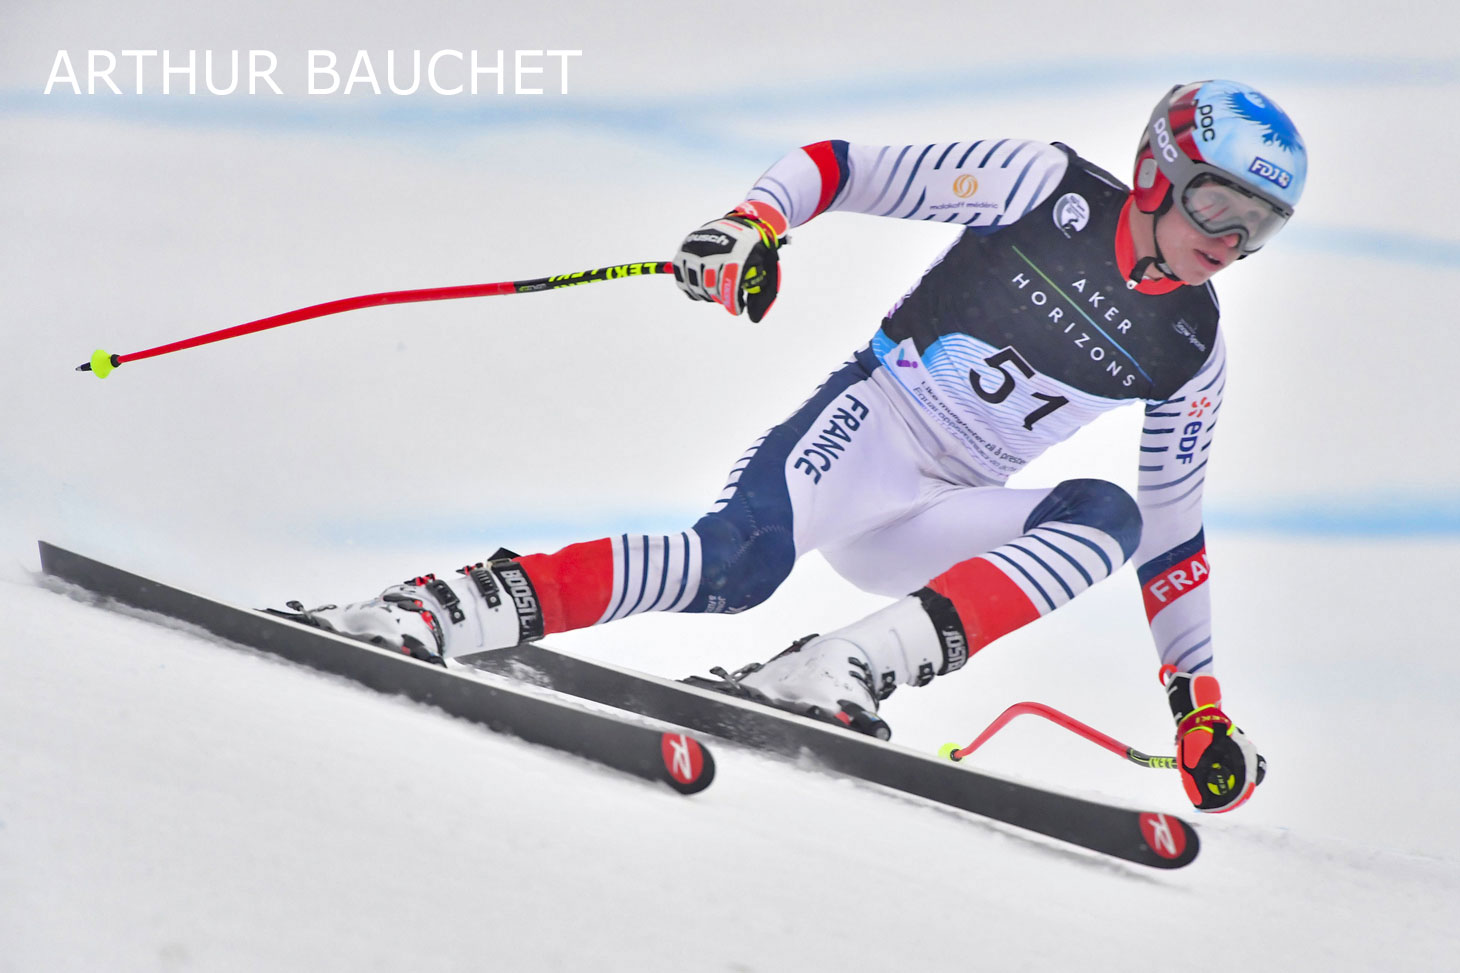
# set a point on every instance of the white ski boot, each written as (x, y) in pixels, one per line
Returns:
(488, 606)
(840, 677)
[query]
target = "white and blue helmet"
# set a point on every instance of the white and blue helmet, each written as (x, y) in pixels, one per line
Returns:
(1226, 156)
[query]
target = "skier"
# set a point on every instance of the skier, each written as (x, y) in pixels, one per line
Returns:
(1066, 295)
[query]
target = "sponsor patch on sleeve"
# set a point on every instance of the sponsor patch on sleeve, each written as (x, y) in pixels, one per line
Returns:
(1173, 574)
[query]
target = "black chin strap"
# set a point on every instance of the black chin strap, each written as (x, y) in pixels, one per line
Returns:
(1138, 272)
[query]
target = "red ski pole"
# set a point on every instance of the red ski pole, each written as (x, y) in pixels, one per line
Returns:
(953, 752)
(103, 363)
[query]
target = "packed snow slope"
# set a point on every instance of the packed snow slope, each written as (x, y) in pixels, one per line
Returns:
(175, 803)
(167, 802)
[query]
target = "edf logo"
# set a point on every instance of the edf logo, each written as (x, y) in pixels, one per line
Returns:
(1186, 449)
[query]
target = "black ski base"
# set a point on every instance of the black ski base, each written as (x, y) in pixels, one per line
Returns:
(1147, 838)
(673, 758)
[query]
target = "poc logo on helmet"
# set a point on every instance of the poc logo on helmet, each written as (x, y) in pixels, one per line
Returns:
(1270, 172)
(1163, 140)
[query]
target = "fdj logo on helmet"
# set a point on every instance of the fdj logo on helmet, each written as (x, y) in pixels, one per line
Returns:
(1270, 172)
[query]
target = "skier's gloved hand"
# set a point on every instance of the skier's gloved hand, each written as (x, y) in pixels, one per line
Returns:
(732, 261)
(1220, 767)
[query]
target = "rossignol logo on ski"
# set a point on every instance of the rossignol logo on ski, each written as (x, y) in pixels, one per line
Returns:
(683, 759)
(1162, 837)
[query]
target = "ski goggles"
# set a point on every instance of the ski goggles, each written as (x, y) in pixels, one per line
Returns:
(1218, 207)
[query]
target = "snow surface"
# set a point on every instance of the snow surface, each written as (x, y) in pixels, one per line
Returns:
(170, 803)
(174, 803)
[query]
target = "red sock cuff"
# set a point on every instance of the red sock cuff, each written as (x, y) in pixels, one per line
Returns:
(573, 585)
(988, 603)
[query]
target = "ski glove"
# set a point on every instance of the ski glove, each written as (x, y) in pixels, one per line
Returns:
(1220, 767)
(732, 261)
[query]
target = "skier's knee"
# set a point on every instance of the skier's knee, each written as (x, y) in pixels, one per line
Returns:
(1092, 503)
(741, 561)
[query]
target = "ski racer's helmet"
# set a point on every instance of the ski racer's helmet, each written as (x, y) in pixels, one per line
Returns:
(1226, 156)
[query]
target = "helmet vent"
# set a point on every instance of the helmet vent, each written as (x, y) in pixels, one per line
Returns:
(1146, 174)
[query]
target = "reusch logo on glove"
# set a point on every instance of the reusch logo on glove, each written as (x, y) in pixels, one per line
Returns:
(719, 239)
(1210, 720)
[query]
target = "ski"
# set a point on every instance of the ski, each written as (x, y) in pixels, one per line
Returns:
(1147, 838)
(674, 758)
